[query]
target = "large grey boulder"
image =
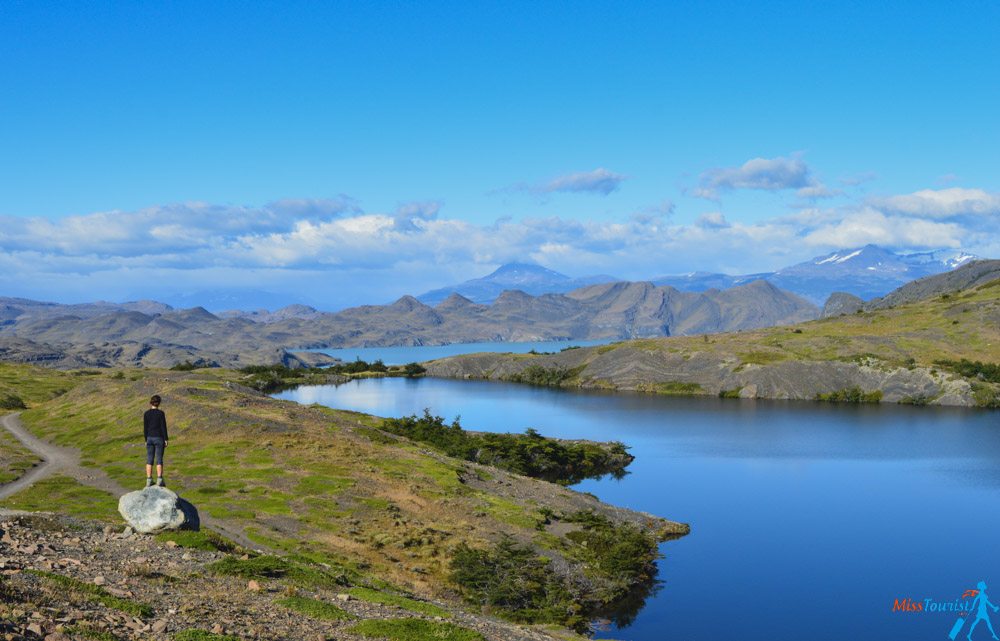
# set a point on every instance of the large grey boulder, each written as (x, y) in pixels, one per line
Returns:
(152, 509)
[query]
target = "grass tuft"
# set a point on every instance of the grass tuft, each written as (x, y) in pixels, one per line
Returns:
(96, 593)
(414, 630)
(194, 634)
(421, 607)
(314, 608)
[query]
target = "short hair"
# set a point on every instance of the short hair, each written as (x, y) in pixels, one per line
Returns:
(155, 401)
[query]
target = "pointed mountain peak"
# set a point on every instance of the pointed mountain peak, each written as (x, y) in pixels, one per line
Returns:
(522, 272)
(455, 301)
(407, 303)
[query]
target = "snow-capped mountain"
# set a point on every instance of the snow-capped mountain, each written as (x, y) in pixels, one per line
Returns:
(868, 272)
(526, 277)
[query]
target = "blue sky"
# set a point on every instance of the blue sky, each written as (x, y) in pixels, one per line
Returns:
(353, 152)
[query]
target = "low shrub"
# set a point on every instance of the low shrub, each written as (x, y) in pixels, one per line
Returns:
(529, 454)
(851, 395)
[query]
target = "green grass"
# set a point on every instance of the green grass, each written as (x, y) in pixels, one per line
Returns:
(264, 566)
(677, 388)
(338, 509)
(33, 385)
(200, 540)
(69, 496)
(267, 566)
(15, 459)
(93, 634)
(194, 634)
(314, 608)
(96, 593)
(421, 607)
(414, 630)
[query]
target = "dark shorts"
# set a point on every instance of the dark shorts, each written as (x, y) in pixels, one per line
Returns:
(154, 450)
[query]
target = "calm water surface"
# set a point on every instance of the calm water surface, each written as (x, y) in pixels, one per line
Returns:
(419, 354)
(808, 520)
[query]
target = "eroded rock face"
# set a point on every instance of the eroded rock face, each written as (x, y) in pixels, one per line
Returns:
(152, 509)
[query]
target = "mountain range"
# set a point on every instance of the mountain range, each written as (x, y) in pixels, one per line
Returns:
(152, 334)
(866, 272)
(932, 341)
(526, 277)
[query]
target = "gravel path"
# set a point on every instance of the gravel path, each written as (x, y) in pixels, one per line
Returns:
(66, 460)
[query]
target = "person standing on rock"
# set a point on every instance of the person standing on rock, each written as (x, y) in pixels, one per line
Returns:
(154, 430)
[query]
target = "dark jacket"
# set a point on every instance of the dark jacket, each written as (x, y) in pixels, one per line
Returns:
(154, 424)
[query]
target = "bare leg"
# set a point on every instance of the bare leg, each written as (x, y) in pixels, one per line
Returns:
(149, 470)
(159, 470)
(989, 624)
(974, 624)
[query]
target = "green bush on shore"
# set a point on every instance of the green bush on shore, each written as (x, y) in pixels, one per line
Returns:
(851, 395)
(529, 454)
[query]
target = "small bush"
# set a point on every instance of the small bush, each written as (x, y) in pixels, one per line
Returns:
(851, 395)
(989, 372)
(10, 401)
(545, 376)
(529, 454)
(414, 369)
(512, 579)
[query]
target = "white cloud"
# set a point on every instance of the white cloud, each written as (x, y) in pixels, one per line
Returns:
(712, 220)
(943, 203)
(872, 226)
(341, 255)
(768, 174)
(599, 181)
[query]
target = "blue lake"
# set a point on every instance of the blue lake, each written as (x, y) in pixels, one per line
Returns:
(808, 520)
(418, 354)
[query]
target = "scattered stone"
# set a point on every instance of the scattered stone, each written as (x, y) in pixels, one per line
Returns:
(128, 531)
(100, 580)
(151, 509)
(253, 586)
(159, 626)
(217, 629)
(34, 628)
(343, 597)
(171, 544)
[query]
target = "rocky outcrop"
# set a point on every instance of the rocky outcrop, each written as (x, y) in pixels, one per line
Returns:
(841, 303)
(153, 509)
(965, 277)
(644, 370)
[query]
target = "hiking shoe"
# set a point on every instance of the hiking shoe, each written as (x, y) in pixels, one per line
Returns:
(149, 481)
(159, 481)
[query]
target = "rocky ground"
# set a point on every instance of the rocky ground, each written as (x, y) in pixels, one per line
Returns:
(66, 578)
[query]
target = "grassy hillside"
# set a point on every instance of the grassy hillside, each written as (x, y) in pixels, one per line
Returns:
(907, 352)
(326, 486)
